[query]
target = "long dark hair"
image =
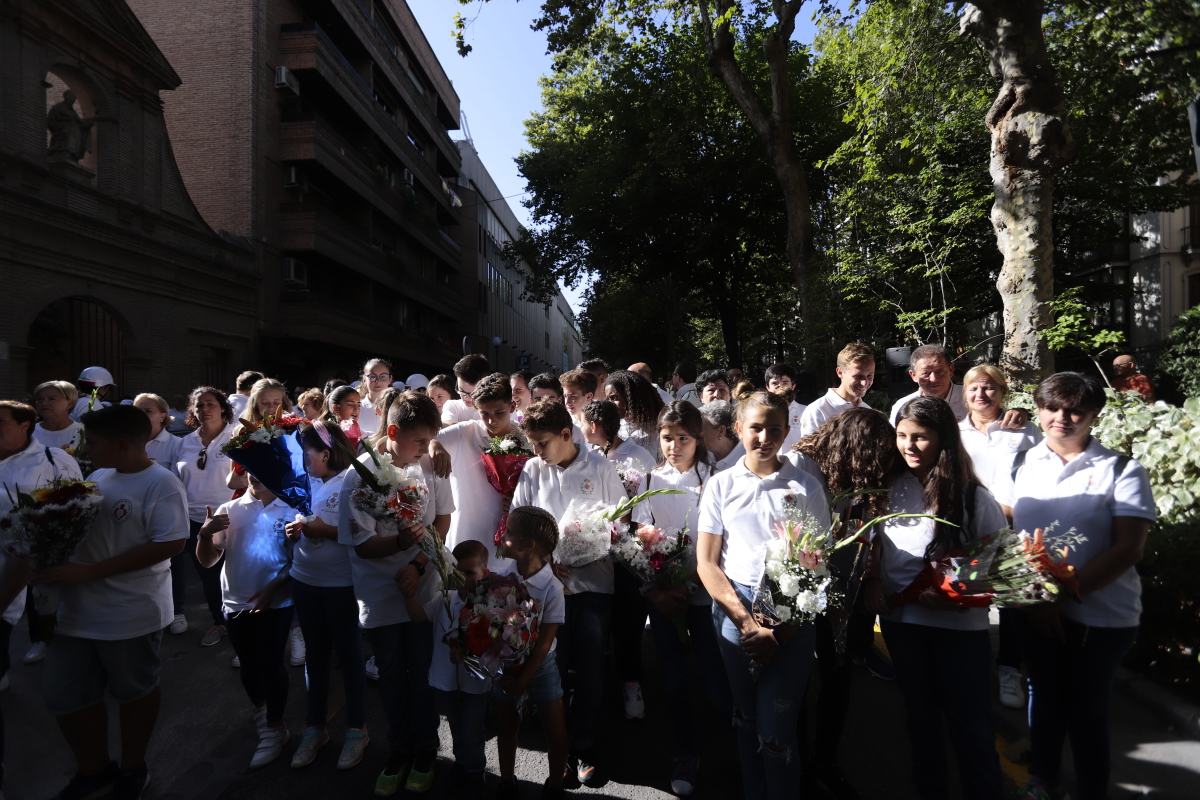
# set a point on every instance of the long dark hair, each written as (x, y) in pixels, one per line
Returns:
(686, 416)
(856, 452)
(642, 403)
(950, 487)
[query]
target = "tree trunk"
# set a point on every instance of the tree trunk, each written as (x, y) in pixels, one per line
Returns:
(1030, 142)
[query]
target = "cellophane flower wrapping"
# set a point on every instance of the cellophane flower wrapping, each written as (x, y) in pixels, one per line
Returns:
(352, 430)
(661, 560)
(585, 534)
(503, 460)
(497, 625)
(797, 585)
(1010, 569)
(631, 477)
(272, 453)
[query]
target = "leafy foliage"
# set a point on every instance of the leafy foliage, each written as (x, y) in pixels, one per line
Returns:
(1180, 359)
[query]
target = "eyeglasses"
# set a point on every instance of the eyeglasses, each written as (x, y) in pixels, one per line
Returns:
(379, 376)
(202, 459)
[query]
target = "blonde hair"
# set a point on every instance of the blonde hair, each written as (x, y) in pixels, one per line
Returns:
(266, 385)
(312, 396)
(66, 388)
(991, 372)
(158, 401)
(854, 353)
(743, 390)
(772, 402)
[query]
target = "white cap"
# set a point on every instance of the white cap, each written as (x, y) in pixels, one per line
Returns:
(417, 381)
(126, 402)
(97, 376)
(398, 385)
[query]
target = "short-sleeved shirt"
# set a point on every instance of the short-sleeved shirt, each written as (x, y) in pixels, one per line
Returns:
(742, 508)
(675, 512)
(545, 587)
(444, 674)
(630, 451)
(137, 508)
(204, 487)
(164, 449)
(644, 437)
(992, 451)
(731, 458)
(81, 406)
(478, 505)
(958, 403)
(238, 403)
(904, 546)
(590, 478)
(795, 416)
(1084, 494)
(456, 411)
(380, 601)
(319, 561)
(66, 439)
(823, 409)
(256, 550)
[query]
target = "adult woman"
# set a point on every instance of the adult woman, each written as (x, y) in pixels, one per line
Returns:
(1070, 481)
(55, 428)
(720, 440)
(162, 447)
(203, 468)
(640, 406)
(376, 379)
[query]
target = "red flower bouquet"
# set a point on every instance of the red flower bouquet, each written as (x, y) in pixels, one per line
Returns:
(503, 460)
(497, 625)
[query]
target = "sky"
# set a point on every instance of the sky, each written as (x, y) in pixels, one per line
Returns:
(497, 83)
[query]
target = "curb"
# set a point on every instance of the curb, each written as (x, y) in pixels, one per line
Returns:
(1167, 706)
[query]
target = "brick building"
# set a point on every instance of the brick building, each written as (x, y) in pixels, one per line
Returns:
(105, 259)
(319, 131)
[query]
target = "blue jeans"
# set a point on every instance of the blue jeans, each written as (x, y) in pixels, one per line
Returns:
(766, 706)
(402, 653)
(945, 678)
(1069, 690)
(329, 621)
(671, 643)
(581, 642)
(466, 714)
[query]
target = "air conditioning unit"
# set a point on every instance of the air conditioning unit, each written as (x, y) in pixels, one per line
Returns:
(295, 274)
(293, 178)
(285, 79)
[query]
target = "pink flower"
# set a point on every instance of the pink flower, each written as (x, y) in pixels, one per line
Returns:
(809, 561)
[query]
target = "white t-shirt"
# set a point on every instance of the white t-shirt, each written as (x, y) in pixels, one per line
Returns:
(904, 544)
(81, 406)
(379, 599)
(590, 478)
(1084, 494)
(444, 674)
(742, 508)
(629, 450)
(547, 589)
(368, 420)
(823, 409)
(675, 512)
(205, 487)
(238, 402)
(36, 465)
(731, 458)
(256, 550)
(164, 449)
(795, 415)
(646, 439)
(66, 440)
(808, 466)
(477, 503)
(663, 394)
(138, 507)
(323, 562)
(992, 452)
(958, 403)
(456, 411)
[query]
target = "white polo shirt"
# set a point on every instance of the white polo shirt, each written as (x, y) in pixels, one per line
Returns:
(795, 415)
(823, 409)
(318, 561)
(742, 508)
(379, 599)
(646, 439)
(903, 555)
(590, 478)
(545, 587)
(1084, 494)
(137, 508)
(478, 505)
(456, 411)
(631, 451)
(957, 401)
(256, 550)
(66, 440)
(238, 403)
(204, 487)
(164, 449)
(444, 674)
(675, 512)
(731, 458)
(992, 451)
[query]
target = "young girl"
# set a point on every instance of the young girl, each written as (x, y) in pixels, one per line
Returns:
(376, 379)
(682, 614)
(163, 446)
(382, 555)
(1074, 647)
(941, 652)
(53, 401)
(602, 429)
(345, 405)
(519, 381)
(639, 405)
(441, 390)
(249, 534)
(323, 589)
(311, 404)
(532, 536)
(737, 511)
(720, 439)
(268, 399)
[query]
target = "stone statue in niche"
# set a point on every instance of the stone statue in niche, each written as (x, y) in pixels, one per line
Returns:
(69, 133)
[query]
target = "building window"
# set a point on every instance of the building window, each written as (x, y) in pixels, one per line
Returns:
(1193, 289)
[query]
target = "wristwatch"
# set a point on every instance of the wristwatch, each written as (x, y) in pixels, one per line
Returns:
(418, 566)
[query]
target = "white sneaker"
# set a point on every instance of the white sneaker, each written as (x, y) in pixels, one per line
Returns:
(354, 747)
(5, 682)
(311, 741)
(371, 669)
(297, 648)
(1012, 687)
(635, 706)
(178, 625)
(35, 653)
(271, 742)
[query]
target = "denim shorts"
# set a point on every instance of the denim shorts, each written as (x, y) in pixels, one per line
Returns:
(546, 686)
(77, 671)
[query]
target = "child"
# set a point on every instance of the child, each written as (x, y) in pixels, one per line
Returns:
(856, 372)
(115, 602)
(311, 404)
(683, 614)
(462, 696)
(579, 386)
(562, 472)
(639, 405)
(376, 379)
(737, 510)
(323, 589)
(532, 536)
(468, 371)
(519, 381)
(781, 381)
(163, 447)
(249, 533)
(344, 405)
(268, 399)
(545, 386)
(441, 391)
(383, 554)
(55, 428)
(240, 399)
(941, 652)
(602, 428)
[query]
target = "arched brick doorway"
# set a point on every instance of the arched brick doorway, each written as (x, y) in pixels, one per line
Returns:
(76, 332)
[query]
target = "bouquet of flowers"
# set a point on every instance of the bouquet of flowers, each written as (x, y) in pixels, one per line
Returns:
(271, 452)
(497, 625)
(631, 477)
(352, 430)
(661, 560)
(46, 525)
(587, 530)
(503, 459)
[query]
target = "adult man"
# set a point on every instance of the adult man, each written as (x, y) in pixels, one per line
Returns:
(93, 379)
(683, 383)
(643, 369)
(1128, 378)
(933, 371)
(856, 372)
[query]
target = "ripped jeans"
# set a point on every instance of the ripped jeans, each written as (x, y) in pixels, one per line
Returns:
(766, 707)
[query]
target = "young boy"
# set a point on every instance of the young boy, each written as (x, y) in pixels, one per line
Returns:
(856, 372)
(563, 471)
(532, 535)
(115, 602)
(460, 695)
(402, 646)
(781, 380)
(578, 389)
(545, 386)
(468, 371)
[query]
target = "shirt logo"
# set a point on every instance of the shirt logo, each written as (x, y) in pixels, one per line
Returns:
(121, 510)
(331, 502)
(278, 526)
(586, 486)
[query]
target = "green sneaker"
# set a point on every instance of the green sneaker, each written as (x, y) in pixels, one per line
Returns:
(420, 780)
(388, 783)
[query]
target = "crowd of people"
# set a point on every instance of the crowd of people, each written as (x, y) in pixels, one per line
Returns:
(175, 509)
